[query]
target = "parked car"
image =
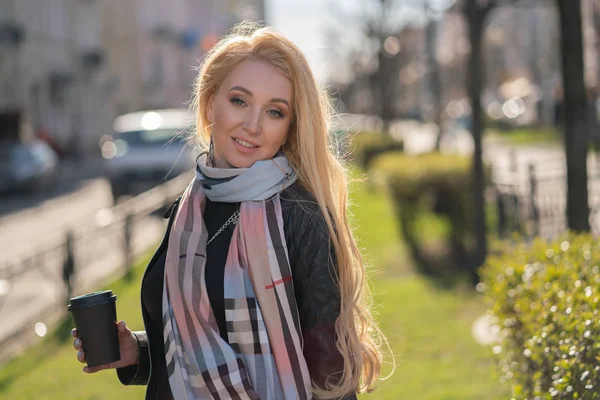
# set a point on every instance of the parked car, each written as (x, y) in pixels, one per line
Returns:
(27, 166)
(146, 149)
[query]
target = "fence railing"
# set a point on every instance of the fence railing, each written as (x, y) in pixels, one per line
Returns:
(535, 205)
(102, 245)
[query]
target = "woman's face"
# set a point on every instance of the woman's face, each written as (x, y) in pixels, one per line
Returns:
(250, 114)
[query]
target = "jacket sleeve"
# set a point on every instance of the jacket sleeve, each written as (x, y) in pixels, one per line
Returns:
(138, 374)
(318, 298)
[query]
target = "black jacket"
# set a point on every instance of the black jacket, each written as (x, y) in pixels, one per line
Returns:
(312, 260)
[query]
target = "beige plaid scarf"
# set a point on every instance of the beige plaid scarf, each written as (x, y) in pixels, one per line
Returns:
(263, 359)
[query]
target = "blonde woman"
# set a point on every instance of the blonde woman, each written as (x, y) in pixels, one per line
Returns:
(257, 290)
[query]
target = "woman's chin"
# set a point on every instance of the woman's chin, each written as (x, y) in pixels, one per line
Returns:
(240, 162)
(237, 160)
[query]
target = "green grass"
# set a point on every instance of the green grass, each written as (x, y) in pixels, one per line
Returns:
(428, 329)
(529, 136)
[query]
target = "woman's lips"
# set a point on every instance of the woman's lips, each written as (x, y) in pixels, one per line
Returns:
(243, 149)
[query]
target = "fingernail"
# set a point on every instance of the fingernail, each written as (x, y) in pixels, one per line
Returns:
(79, 354)
(85, 369)
(124, 324)
(78, 343)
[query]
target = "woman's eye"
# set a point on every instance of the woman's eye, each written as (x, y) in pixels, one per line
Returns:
(275, 113)
(238, 101)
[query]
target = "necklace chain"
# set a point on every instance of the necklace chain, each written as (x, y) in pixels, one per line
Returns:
(232, 220)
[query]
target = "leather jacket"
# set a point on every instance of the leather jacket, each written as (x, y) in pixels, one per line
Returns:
(312, 260)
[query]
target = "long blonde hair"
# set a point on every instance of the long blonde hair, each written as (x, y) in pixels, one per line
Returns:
(313, 156)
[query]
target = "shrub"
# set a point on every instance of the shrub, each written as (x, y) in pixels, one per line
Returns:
(429, 184)
(545, 297)
(368, 145)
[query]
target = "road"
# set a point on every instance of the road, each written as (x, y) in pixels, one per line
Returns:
(23, 231)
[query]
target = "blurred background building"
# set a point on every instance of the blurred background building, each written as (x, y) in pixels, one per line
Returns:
(68, 67)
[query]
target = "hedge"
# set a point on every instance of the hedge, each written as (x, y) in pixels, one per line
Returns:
(545, 298)
(370, 144)
(409, 176)
(425, 185)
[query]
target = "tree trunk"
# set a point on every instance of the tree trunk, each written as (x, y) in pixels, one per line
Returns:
(577, 114)
(475, 20)
(386, 90)
(434, 79)
(534, 66)
(596, 8)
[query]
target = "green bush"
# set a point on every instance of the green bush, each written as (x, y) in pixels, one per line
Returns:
(545, 298)
(368, 145)
(425, 185)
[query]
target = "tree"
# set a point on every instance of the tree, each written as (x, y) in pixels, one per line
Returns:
(577, 116)
(371, 36)
(596, 10)
(433, 67)
(476, 13)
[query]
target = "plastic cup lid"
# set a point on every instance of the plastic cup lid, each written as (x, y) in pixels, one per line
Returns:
(92, 299)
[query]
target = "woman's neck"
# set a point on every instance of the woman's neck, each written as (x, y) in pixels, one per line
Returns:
(217, 162)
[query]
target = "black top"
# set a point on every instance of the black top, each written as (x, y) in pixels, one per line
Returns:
(215, 215)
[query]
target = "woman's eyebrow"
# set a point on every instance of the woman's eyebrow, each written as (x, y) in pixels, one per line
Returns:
(249, 93)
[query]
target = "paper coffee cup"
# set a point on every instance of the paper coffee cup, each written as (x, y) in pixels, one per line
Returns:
(95, 317)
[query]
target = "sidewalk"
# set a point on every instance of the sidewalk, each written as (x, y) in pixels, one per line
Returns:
(38, 295)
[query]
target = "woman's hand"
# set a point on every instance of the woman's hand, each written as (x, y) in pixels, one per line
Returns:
(128, 347)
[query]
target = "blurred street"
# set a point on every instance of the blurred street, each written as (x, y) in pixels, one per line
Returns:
(29, 221)
(37, 295)
(496, 97)
(73, 174)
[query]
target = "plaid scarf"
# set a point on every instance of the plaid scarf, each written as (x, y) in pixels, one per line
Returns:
(263, 359)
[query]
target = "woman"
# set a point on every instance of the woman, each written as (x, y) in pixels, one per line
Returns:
(257, 290)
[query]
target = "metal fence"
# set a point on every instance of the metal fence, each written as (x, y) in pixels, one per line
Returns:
(101, 246)
(535, 205)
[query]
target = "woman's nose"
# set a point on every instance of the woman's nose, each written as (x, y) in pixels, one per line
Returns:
(252, 124)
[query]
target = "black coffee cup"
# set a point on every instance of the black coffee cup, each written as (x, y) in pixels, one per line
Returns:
(95, 317)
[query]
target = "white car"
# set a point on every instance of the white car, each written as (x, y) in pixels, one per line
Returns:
(146, 149)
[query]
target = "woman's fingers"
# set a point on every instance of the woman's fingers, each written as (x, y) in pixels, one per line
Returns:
(81, 356)
(122, 329)
(91, 370)
(128, 345)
